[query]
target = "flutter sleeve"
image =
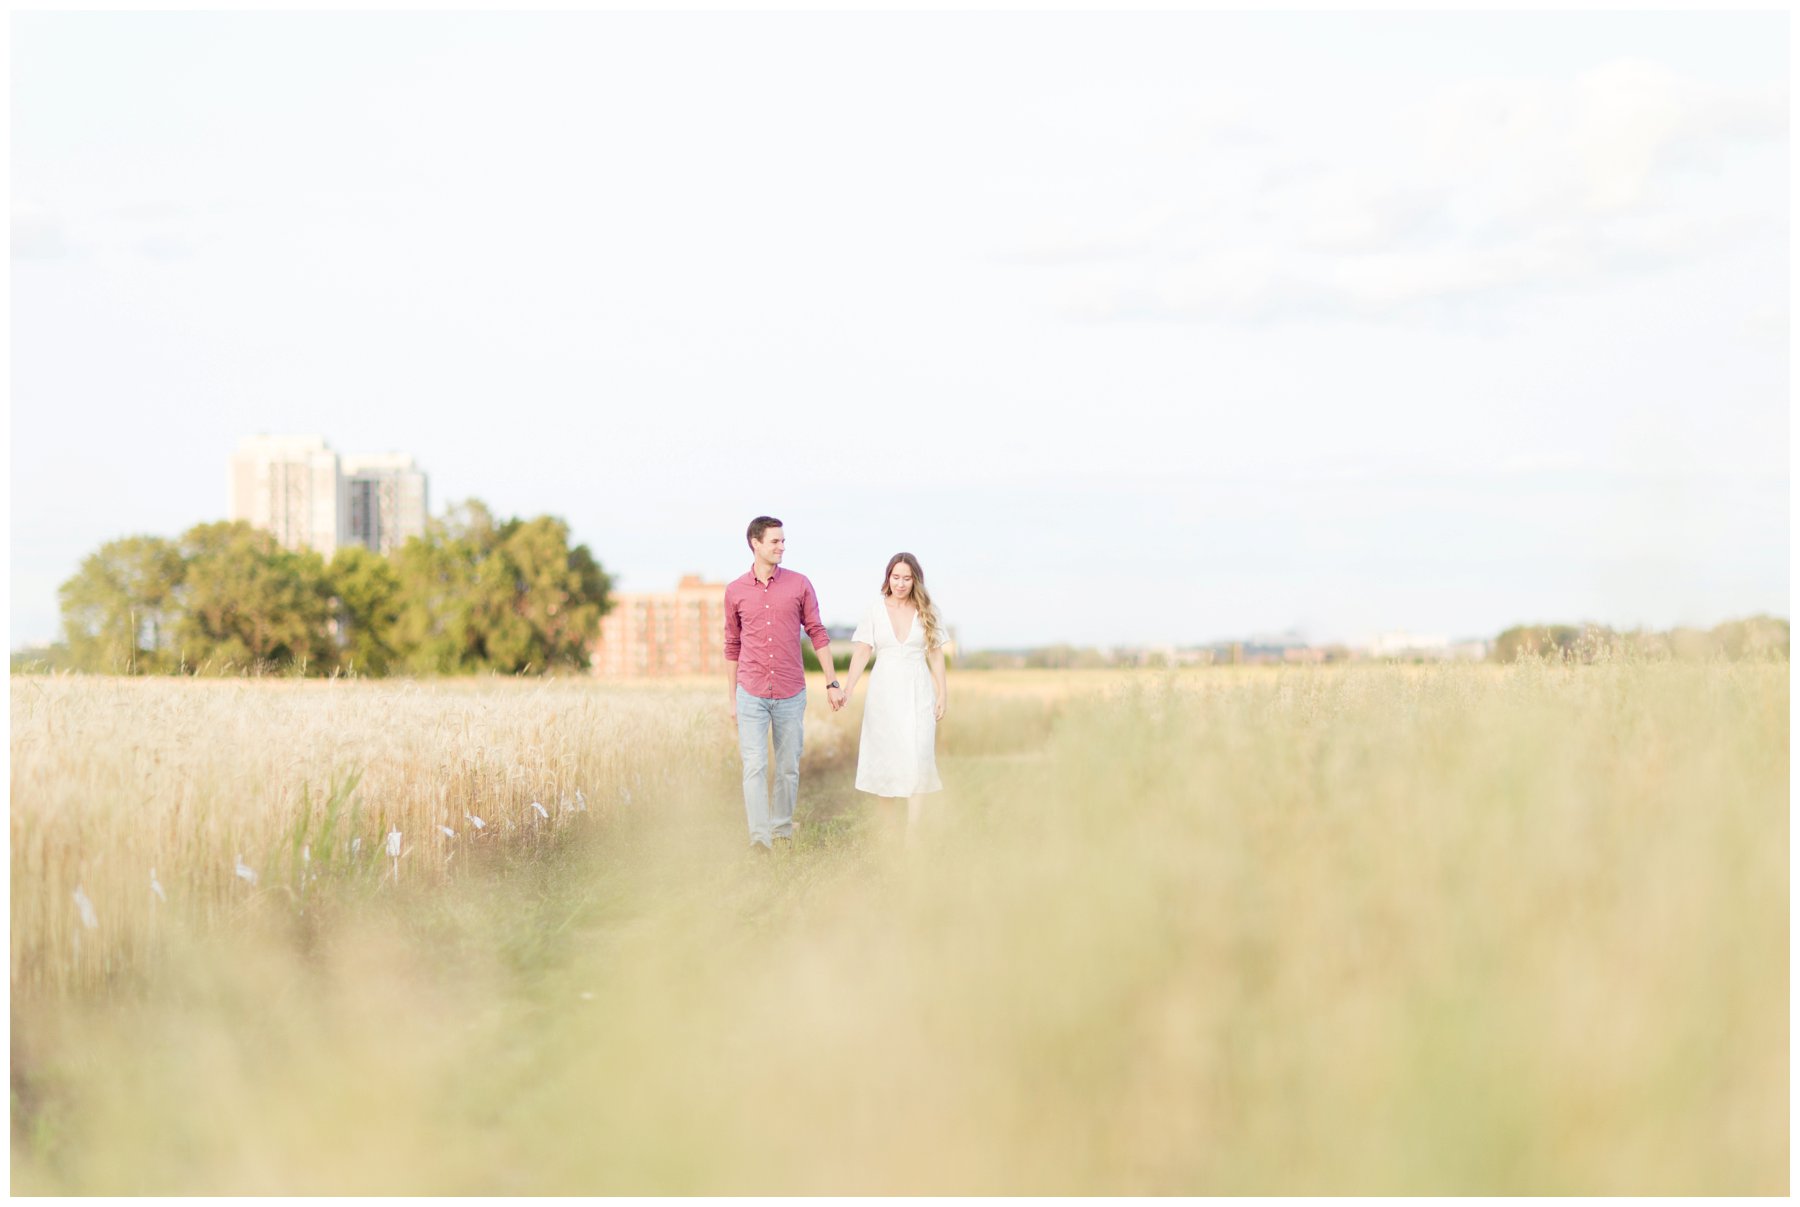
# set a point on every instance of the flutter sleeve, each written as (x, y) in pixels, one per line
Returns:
(865, 632)
(940, 637)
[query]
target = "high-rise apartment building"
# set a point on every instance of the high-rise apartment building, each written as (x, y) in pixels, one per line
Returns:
(297, 488)
(288, 485)
(656, 634)
(383, 501)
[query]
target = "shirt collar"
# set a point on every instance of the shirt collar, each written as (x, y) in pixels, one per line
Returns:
(758, 581)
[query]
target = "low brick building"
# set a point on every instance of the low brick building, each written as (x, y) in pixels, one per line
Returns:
(659, 634)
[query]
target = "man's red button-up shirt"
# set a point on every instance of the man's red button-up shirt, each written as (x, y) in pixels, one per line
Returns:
(763, 622)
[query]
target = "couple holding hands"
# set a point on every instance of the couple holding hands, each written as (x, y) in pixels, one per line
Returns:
(766, 611)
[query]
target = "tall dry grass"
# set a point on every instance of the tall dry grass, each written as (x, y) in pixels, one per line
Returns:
(1452, 930)
(299, 784)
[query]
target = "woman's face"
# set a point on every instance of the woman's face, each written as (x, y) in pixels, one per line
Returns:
(900, 581)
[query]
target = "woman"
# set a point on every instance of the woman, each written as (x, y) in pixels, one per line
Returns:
(907, 693)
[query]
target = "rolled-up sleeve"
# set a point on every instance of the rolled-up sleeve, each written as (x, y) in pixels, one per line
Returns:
(734, 629)
(809, 618)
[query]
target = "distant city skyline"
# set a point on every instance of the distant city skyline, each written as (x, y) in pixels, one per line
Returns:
(1137, 328)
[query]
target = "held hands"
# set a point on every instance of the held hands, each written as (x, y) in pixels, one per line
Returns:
(838, 697)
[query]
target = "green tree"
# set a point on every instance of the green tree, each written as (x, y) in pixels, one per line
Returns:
(560, 591)
(118, 609)
(249, 604)
(441, 622)
(476, 595)
(1538, 640)
(365, 590)
(1758, 637)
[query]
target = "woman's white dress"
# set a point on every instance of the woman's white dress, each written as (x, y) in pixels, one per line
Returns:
(899, 728)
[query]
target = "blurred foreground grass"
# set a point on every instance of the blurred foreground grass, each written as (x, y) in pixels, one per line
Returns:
(1412, 930)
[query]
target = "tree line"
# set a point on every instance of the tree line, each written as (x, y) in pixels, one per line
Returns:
(1755, 637)
(474, 594)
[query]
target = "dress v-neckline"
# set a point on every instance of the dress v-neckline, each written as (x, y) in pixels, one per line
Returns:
(892, 629)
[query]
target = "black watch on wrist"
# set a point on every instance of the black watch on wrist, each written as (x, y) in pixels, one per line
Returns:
(832, 684)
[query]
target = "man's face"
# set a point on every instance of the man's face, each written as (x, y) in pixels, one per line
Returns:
(769, 548)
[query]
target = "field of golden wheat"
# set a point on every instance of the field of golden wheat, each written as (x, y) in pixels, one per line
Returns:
(1364, 930)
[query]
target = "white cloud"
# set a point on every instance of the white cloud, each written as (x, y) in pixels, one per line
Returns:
(37, 234)
(1489, 189)
(166, 230)
(1597, 143)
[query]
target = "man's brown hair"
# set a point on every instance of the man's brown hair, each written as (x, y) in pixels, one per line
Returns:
(760, 525)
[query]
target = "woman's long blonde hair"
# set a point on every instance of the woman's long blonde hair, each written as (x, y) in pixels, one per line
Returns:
(920, 597)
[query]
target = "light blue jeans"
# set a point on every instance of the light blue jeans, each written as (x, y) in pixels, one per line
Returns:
(756, 717)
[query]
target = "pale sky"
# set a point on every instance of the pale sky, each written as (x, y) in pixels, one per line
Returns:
(1153, 328)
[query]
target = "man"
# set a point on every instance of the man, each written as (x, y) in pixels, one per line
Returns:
(765, 612)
